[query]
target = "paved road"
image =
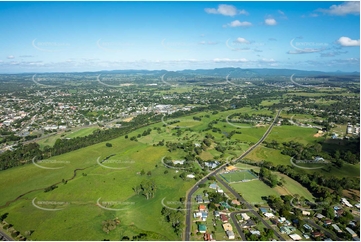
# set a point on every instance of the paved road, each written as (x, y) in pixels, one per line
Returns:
(5, 237)
(239, 229)
(204, 179)
(324, 231)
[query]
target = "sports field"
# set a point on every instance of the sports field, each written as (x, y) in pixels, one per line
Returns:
(238, 176)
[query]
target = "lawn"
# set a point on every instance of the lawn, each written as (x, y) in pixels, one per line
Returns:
(252, 191)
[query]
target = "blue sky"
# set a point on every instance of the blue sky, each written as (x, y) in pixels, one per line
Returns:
(93, 36)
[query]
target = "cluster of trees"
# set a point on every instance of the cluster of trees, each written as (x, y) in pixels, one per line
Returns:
(110, 224)
(146, 188)
(266, 235)
(267, 177)
(175, 218)
(139, 237)
(52, 187)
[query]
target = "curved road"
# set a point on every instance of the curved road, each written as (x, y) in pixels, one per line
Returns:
(204, 179)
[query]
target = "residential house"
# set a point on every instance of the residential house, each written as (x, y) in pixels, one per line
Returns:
(202, 228)
(295, 237)
(353, 234)
(227, 227)
(263, 210)
(213, 186)
(230, 234)
(273, 221)
(306, 213)
(287, 229)
(327, 222)
(236, 202)
(206, 200)
(308, 227)
(224, 218)
(204, 216)
(202, 208)
(199, 198)
(245, 216)
(345, 202)
(339, 212)
(255, 232)
(191, 176)
(208, 237)
(316, 234)
(335, 226)
(269, 215)
(216, 214)
(248, 224)
(197, 214)
(306, 236)
(220, 190)
(319, 216)
(212, 164)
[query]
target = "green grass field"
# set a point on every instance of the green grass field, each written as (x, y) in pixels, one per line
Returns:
(82, 218)
(293, 133)
(238, 176)
(78, 133)
(252, 191)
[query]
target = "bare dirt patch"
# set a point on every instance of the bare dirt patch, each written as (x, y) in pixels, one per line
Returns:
(128, 119)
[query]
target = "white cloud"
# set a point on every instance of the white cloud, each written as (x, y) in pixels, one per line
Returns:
(346, 41)
(237, 23)
(304, 51)
(11, 57)
(230, 60)
(241, 40)
(226, 10)
(351, 7)
(270, 21)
